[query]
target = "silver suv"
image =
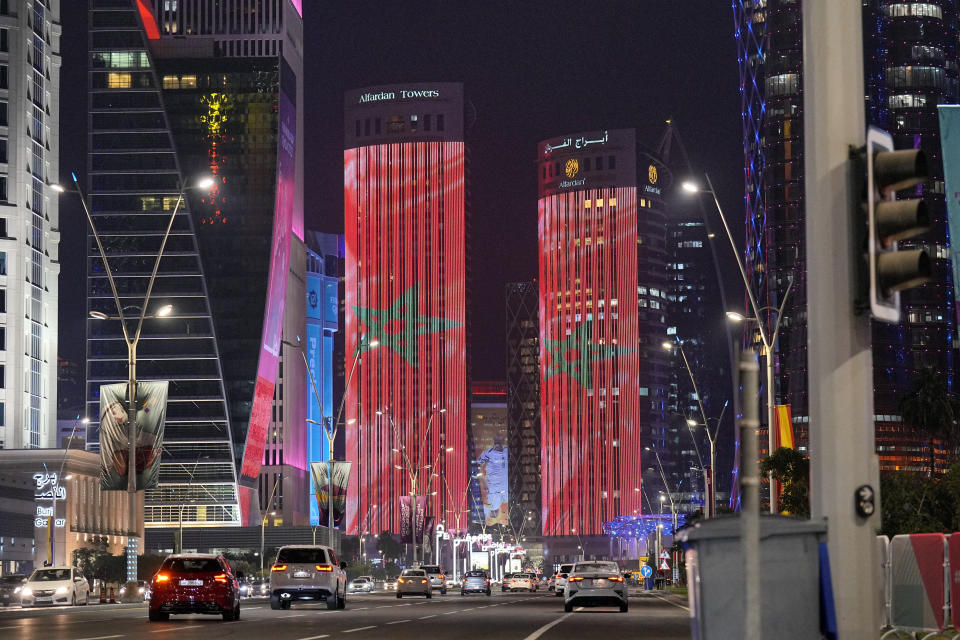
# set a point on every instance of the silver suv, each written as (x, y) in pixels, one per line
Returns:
(437, 579)
(307, 572)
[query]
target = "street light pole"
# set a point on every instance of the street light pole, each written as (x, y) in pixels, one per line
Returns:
(666, 487)
(132, 528)
(263, 520)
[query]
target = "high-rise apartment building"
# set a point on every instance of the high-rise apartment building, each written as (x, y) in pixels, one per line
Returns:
(523, 403)
(603, 298)
(323, 336)
(910, 67)
(180, 91)
(405, 204)
(695, 320)
(29, 222)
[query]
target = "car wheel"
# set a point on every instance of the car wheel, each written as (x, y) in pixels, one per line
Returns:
(462, 593)
(332, 601)
(275, 602)
(559, 594)
(568, 606)
(157, 616)
(488, 593)
(429, 595)
(399, 595)
(285, 604)
(623, 608)
(229, 616)
(342, 602)
(443, 592)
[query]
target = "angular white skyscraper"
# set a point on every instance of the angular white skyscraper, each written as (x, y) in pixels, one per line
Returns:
(29, 221)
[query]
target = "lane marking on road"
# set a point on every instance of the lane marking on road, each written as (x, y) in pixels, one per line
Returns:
(176, 628)
(550, 625)
(361, 608)
(671, 602)
(101, 637)
(296, 615)
(398, 621)
(326, 635)
(373, 626)
(387, 606)
(432, 615)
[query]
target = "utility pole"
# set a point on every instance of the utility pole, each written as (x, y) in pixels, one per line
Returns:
(842, 451)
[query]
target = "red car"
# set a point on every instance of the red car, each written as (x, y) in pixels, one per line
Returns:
(195, 583)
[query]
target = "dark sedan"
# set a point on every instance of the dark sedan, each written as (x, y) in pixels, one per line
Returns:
(10, 587)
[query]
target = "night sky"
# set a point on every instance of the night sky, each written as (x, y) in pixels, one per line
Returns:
(530, 69)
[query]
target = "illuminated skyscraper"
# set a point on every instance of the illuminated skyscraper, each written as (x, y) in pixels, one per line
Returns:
(405, 221)
(29, 222)
(179, 91)
(910, 61)
(603, 297)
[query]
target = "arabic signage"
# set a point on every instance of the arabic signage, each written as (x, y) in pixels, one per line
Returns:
(591, 160)
(46, 487)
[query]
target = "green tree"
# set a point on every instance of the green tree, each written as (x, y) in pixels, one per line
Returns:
(914, 503)
(928, 409)
(388, 545)
(792, 470)
(87, 557)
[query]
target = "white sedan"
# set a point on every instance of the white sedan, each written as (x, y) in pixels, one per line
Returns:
(595, 584)
(55, 585)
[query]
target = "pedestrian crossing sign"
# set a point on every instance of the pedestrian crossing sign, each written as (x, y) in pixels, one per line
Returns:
(664, 555)
(665, 566)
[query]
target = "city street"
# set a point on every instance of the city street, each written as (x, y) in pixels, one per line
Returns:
(505, 616)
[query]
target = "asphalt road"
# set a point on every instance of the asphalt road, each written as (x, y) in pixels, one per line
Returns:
(380, 616)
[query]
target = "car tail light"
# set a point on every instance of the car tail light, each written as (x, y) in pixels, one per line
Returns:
(279, 567)
(161, 577)
(557, 576)
(575, 579)
(485, 580)
(423, 581)
(616, 578)
(442, 576)
(221, 578)
(323, 567)
(401, 580)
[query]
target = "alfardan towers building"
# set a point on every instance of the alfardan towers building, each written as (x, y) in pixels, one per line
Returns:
(405, 312)
(604, 373)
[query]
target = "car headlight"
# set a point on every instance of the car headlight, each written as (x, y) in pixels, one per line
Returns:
(141, 589)
(18, 590)
(26, 591)
(61, 590)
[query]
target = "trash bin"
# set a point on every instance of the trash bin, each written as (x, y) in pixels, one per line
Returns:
(789, 578)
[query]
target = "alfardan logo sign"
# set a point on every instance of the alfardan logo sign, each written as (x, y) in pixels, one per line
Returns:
(399, 326)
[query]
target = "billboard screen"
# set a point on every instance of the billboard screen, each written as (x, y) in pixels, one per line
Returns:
(276, 288)
(491, 504)
(405, 289)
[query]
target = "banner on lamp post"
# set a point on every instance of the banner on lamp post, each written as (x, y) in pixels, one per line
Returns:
(151, 404)
(405, 518)
(321, 488)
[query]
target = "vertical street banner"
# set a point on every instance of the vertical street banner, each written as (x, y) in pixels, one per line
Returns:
(950, 146)
(151, 404)
(783, 436)
(406, 517)
(321, 488)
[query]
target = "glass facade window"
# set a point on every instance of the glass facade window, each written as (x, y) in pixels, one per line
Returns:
(119, 80)
(915, 9)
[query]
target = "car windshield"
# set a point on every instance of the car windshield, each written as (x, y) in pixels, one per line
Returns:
(476, 574)
(413, 572)
(360, 580)
(192, 565)
(293, 555)
(50, 575)
(597, 566)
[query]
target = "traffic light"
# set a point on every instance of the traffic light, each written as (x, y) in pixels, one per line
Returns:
(888, 220)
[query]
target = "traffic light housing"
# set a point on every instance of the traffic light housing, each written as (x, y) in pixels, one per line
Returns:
(889, 270)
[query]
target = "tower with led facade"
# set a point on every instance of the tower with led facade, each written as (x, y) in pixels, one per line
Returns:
(405, 311)
(602, 240)
(911, 63)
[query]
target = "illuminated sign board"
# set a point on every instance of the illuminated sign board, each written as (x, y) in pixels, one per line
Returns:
(404, 95)
(46, 487)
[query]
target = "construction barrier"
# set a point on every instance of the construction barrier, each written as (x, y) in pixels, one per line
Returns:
(112, 599)
(916, 584)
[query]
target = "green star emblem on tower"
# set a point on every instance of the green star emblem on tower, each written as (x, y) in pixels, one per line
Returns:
(399, 326)
(575, 354)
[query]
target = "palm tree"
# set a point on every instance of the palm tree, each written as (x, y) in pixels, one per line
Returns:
(928, 409)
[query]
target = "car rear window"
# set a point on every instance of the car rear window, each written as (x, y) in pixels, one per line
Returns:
(301, 556)
(598, 566)
(476, 574)
(50, 575)
(191, 565)
(413, 572)
(431, 568)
